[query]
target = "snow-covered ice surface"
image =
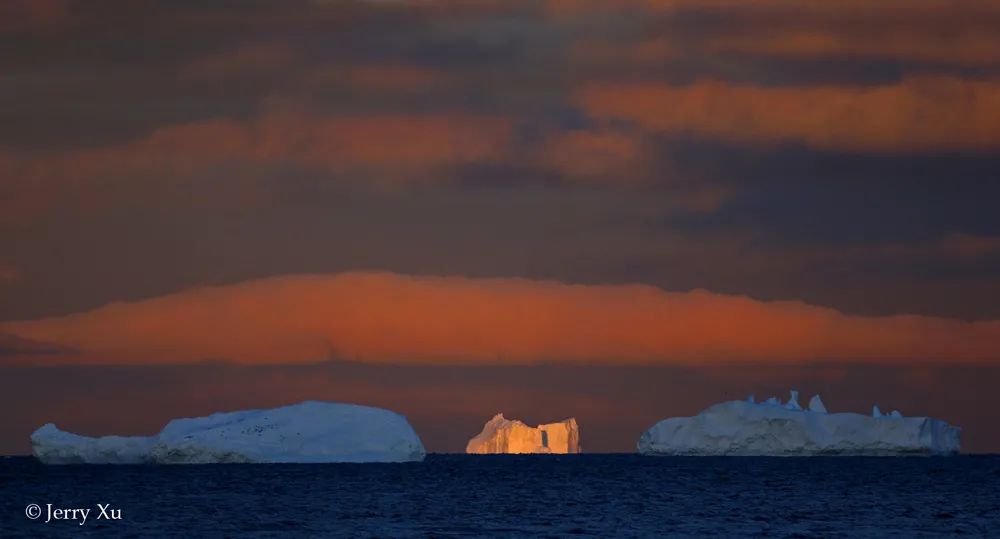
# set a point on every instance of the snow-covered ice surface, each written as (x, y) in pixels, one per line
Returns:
(307, 432)
(773, 429)
(505, 436)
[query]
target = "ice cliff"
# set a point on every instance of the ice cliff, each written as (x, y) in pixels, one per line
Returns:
(501, 435)
(772, 428)
(307, 432)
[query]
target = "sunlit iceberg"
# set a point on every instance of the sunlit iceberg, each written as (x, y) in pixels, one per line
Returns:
(307, 432)
(501, 435)
(772, 428)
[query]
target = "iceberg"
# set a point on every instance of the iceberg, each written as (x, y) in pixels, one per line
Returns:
(308, 432)
(772, 429)
(501, 435)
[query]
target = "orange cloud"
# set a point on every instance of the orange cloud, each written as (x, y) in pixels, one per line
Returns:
(384, 149)
(936, 31)
(641, 54)
(379, 78)
(840, 9)
(971, 246)
(595, 154)
(922, 43)
(977, 46)
(398, 145)
(951, 246)
(383, 317)
(919, 114)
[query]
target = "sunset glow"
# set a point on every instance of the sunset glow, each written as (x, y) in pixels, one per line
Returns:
(388, 318)
(451, 208)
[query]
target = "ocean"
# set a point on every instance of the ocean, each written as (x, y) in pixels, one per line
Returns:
(511, 496)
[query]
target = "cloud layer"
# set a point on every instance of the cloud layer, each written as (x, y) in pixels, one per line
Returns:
(912, 115)
(383, 317)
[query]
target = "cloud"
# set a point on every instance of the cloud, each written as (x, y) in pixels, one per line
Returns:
(954, 248)
(917, 114)
(967, 245)
(18, 16)
(976, 46)
(381, 148)
(843, 9)
(332, 143)
(9, 274)
(590, 154)
(725, 37)
(14, 346)
(947, 247)
(389, 318)
(804, 41)
(386, 149)
(387, 78)
(255, 59)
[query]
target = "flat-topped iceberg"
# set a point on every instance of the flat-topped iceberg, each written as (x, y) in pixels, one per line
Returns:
(501, 435)
(775, 429)
(307, 432)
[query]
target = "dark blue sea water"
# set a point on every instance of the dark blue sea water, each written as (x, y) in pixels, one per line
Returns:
(514, 496)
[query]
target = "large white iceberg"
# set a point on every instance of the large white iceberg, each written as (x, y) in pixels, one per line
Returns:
(770, 428)
(501, 435)
(307, 432)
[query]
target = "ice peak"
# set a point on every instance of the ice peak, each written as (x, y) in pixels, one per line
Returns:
(793, 401)
(876, 412)
(816, 405)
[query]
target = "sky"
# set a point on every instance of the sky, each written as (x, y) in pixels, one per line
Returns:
(619, 210)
